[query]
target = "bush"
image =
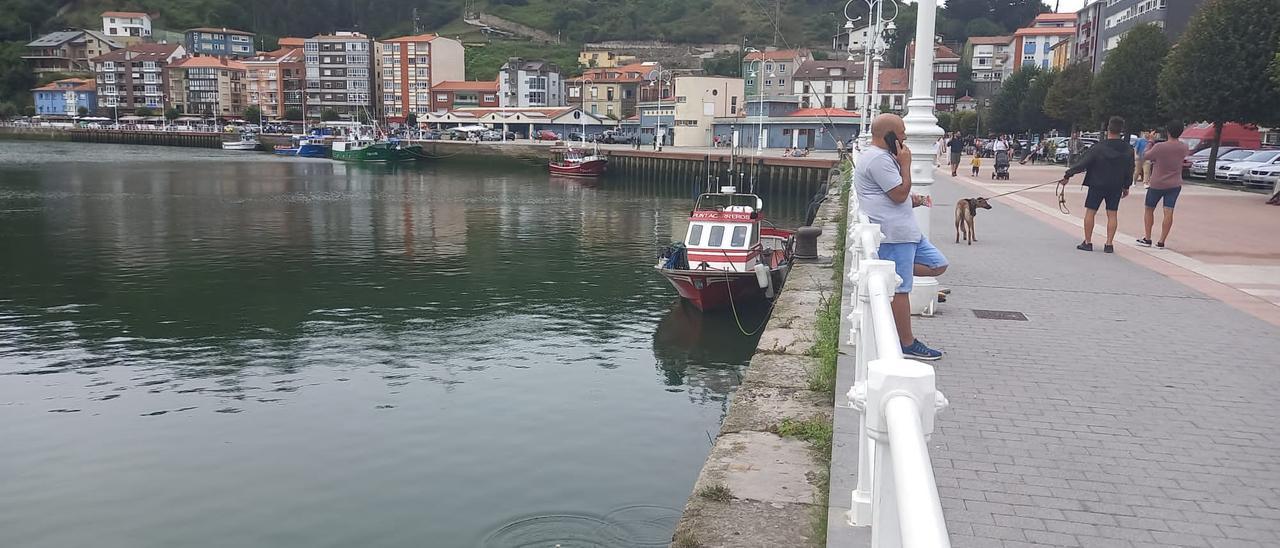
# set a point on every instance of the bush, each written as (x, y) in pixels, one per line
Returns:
(329, 115)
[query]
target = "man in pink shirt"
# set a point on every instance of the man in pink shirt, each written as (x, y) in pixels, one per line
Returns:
(1165, 158)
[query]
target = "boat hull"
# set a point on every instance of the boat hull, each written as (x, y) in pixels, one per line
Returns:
(714, 290)
(379, 152)
(313, 151)
(593, 168)
(240, 145)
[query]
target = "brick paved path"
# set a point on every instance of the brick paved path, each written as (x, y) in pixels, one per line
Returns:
(1129, 410)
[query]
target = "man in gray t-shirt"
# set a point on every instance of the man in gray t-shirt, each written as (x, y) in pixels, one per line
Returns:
(883, 184)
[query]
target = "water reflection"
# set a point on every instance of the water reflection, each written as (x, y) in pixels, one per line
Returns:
(183, 330)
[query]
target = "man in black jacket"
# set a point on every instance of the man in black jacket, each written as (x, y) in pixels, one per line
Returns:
(1108, 168)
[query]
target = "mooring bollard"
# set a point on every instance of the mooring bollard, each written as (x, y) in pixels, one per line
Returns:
(807, 242)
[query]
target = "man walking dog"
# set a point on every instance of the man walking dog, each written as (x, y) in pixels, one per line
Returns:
(1108, 173)
(882, 179)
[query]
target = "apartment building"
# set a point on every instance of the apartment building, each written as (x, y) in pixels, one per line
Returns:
(133, 77)
(207, 86)
(126, 27)
(342, 75)
(1088, 34)
(1121, 16)
(411, 66)
(860, 37)
(830, 84)
(463, 94)
(219, 42)
(275, 81)
(68, 50)
(769, 72)
(604, 59)
(946, 71)
(989, 59)
(1033, 45)
(699, 100)
(531, 83)
(893, 86)
(615, 92)
(65, 97)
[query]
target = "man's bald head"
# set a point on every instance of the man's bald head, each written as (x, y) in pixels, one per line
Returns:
(885, 123)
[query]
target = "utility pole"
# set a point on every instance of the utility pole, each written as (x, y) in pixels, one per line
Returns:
(777, 21)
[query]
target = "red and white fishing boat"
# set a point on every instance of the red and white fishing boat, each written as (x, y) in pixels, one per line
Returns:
(731, 255)
(580, 163)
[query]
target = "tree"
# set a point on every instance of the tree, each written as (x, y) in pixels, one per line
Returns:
(411, 120)
(1031, 112)
(7, 110)
(144, 111)
(329, 115)
(983, 27)
(1070, 100)
(171, 114)
(28, 110)
(82, 111)
(965, 121)
(293, 113)
(944, 121)
(252, 113)
(1006, 109)
(1216, 75)
(1126, 86)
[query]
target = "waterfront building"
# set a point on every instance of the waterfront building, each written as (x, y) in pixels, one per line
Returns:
(1033, 45)
(769, 72)
(207, 86)
(946, 71)
(699, 100)
(894, 84)
(531, 83)
(127, 27)
(463, 94)
(829, 84)
(66, 97)
(524, 121)
(614, 92)
(411, 66)
(603, 59)
(68, 50)
(342, 75)
(275, 81)
(133, 77)
(219, 42)
(785, 125)
(1115, 18)
(989, 61)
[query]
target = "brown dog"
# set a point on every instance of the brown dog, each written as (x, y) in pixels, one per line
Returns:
(966, 210)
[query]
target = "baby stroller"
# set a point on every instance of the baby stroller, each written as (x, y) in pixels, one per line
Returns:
(1002, 166)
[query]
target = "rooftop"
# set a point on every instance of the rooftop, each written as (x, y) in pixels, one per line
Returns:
(140, 52)
(207, 61)
(1045, 31)
(124, 14)
(291, 42)
(282, 55)
(222, 30)
(824, 113)
(822, 69)
(466, 86)
(1055, 17)
(72, 84)
(416, 38)
(778, 54)
(893, 80)
(990, 40)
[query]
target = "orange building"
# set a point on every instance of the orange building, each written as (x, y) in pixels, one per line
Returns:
(411, 66)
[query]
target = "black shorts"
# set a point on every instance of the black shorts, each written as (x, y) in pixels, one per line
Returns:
(1095, 197)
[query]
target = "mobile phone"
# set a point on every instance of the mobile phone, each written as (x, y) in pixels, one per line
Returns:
(891, 141)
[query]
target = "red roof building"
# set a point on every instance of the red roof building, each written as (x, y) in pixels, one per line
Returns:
(463, 94)
(133, 77)
(946, 70)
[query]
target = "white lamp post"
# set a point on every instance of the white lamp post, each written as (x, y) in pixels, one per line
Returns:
(872, 54)
(657, 122)
(757, 75)
(583, 91)
(922, 125)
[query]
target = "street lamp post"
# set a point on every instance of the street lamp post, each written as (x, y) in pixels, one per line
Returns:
(657, 122)
(757, 75)
(922, 125)
(583, 92)
(872, 54)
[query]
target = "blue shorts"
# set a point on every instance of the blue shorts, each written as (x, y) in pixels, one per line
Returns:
(906, 255)
(1168, 195)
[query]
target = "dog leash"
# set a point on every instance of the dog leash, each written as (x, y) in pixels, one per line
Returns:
(1060, 192)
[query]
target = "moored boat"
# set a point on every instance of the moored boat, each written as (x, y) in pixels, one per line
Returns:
(364, 149)
(578, 163)
(730, 255)
(304, 146)
(247, 141)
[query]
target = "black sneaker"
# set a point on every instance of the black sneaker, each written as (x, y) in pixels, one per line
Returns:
(1160, 245)
(1144, 242)
(1085, 247)
(1108, 248)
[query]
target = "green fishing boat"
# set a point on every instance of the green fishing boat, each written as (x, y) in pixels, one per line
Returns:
(358, 149)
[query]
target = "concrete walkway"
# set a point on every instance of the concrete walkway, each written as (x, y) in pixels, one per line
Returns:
(1129, 409)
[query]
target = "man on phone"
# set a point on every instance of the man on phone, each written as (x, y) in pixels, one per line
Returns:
(882, 179)
(1108, 173)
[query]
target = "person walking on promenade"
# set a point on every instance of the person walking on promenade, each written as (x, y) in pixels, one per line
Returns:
(956, 146)
(1140, 149)
(1108, 169)
(1164, 183)
(882, 179)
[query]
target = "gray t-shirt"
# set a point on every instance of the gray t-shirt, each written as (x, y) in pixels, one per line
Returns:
(875, 175)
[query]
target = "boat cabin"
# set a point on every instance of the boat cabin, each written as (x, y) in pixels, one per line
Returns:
(724, 232)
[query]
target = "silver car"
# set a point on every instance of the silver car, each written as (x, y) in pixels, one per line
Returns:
(1200, 168)
(1264, 176)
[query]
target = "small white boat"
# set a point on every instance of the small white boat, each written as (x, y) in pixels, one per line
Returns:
(248, 141)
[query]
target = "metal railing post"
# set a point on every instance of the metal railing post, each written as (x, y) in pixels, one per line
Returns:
(901, 403)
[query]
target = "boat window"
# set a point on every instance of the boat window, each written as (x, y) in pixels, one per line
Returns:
(695, 234)
(717, 236)
(739, 236)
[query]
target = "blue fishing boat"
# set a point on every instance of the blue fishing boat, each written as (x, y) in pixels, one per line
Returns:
(306, 146)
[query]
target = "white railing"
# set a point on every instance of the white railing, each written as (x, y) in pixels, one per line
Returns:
(896, 494)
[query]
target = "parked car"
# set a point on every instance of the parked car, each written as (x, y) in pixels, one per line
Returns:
(1234, 171)
(491, 135)
(611, 136)
(1200, 168)
(1264, 176)
(545, 135)
(1202, 154)
(1063, 153)
(576, 136)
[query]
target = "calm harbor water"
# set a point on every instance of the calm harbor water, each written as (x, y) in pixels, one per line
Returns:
(204, 348)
